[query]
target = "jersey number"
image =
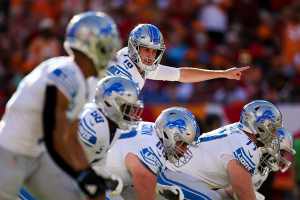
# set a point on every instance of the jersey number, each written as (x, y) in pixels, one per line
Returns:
(97, 117)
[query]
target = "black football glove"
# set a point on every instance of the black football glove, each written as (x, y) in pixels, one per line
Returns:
(90, 183)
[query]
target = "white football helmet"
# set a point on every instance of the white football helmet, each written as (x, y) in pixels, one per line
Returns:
(96, 35)
(149, 36)
(177, 125)
(287, 144)
(262, 119)
(120, 100)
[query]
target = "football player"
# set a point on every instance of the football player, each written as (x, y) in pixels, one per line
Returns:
(140, 60)
(39, 148)
(270, 163)
(228, 155)
(140, 154)
(117, 105)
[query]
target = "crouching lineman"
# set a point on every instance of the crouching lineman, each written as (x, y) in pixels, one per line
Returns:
(117, 105)
(270, 163)
(228, 155)
(140, 154)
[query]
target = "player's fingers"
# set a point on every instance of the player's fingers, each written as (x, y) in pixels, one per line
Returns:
(243, 68)
(174, 190)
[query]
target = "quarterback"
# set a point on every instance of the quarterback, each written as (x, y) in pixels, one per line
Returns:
(140, 60)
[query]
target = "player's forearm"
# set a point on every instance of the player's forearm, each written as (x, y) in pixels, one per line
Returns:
(76, 153)
(188, 75)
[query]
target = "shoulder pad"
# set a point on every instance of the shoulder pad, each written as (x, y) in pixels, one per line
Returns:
(120, 68)
(91, 121)
(66, 80)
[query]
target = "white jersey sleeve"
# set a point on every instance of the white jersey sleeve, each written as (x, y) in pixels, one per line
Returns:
(245, 151)
(142, 142)
(66, 80)
(94, 133)
(124, 67)
(164, 73)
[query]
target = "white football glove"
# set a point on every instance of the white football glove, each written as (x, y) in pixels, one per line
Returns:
(169, 192)
(259, 196)
(115, 184)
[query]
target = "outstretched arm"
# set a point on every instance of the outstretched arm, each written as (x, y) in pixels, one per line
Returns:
(241, 180)
(188, 75)
(144, 181)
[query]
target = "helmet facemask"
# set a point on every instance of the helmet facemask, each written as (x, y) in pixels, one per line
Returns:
(284, 164)
(269, 160)
(175, 154)
(120, 100)
(155, 61)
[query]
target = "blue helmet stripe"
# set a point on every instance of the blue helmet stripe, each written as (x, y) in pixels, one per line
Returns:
(154, 32)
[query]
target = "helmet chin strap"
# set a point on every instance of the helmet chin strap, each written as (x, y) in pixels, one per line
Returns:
(173, 159)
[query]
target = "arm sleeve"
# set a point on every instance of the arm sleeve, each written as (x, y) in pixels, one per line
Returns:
(151, 160)
(164, 73)
(225, 158)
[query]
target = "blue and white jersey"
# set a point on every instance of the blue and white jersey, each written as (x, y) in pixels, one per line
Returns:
(215, 150)
(21, 128)
(257, 180)
(124, 67)
(94, 133)
(143, 142)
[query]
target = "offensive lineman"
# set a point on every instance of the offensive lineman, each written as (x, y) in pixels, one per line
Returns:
(141, 60)
(117, 105)
(42, 114)
(226, 154)
(268, 164)
(140, 154)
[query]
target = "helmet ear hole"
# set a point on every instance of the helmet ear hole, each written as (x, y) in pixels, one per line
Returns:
(260, 130)
(103, 50)
(165, 135)
(107, 104)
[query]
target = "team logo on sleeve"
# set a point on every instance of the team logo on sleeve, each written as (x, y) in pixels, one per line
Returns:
(178, 123)
(116, 87)
(244, 159)
(258, 183)
(151, 158)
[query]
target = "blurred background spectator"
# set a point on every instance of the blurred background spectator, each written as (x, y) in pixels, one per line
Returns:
(206, 34)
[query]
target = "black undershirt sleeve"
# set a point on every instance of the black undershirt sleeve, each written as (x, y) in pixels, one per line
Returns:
(48, 128)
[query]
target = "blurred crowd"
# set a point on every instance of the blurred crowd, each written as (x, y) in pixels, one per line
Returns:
(206, 34)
